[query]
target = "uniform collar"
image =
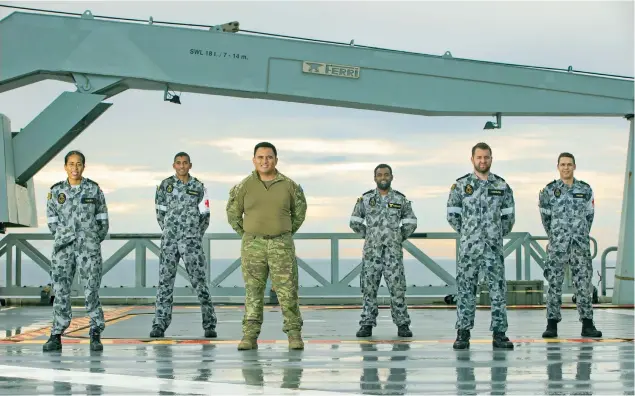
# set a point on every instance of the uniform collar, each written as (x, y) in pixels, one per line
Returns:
(561, 184)
(176, 179)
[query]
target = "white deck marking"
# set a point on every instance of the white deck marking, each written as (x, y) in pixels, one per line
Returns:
(628, 312)
(149, 384)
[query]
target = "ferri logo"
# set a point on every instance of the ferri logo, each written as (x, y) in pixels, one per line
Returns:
(327, 69)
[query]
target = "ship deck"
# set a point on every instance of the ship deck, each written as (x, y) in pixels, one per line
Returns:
(334, 361)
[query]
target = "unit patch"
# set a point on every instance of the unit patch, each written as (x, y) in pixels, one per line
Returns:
(61, 198)
(469, 190)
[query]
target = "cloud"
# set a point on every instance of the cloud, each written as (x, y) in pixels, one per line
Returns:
(112, 177)
(243, 147)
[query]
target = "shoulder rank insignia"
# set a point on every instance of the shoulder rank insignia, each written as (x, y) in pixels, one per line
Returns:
(369, 192)
(399, 193)
(463, 177)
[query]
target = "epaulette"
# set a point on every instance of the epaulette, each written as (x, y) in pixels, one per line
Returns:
(463, 177)
(553, 182)
(585, 183)
(91, 181)
(369, 192)
(397, 192)
(499, 178)
(56, 184)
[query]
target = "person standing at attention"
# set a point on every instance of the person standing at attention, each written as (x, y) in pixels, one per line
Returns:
(266, 209)
(77, 216)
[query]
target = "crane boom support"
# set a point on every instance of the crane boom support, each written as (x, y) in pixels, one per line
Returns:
(37, 46)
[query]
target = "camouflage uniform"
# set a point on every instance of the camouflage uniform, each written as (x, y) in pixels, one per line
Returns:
(482, 212)
(183, 214)
(78, 218)
(567, 215)
(273, 212)
(390, 220)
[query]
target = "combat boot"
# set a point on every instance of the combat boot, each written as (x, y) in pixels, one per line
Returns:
(210, 333)
(500, 340)
(404, 331)
(462, 339)
(157, 333)
(249, 341)
(54, 343)
(295, 340)
(589, 330)
(552, 329)
(365, 331)
(95, 341)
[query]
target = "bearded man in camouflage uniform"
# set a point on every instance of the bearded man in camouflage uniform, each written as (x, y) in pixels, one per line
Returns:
(567, 209)
(77, 216)
(481, 209)
(274, 208)
(390, 220)
(182, 209)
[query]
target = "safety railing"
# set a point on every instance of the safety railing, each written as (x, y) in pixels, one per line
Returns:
(522, 246)
(604, 267)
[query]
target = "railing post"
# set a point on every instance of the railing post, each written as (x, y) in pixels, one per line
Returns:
(208, 259)
(140, 265)
(9, 273)
(18, 266)
(527, 247)
(335, 261)
(519, 262)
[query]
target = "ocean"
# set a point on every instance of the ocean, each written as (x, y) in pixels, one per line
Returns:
(416, 273)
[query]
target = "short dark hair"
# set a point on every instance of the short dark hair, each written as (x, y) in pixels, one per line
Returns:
(266, 145)
(382, 166)
(566, 155)
(482, 146)
(182, 154)
(74, 152)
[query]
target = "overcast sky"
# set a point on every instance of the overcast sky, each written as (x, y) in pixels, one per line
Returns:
(331, 152)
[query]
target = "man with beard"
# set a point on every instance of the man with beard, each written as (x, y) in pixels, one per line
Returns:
(390, 220)
(481, 209)
(567, 209)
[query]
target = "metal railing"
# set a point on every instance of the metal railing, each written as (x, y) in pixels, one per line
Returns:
(604, 267)
(522, 245)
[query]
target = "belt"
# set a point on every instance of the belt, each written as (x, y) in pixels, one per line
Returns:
(268, 236)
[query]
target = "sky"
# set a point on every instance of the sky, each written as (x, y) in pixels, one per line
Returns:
(332, 151)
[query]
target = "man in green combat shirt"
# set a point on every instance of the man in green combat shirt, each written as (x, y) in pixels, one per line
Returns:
(274, 208)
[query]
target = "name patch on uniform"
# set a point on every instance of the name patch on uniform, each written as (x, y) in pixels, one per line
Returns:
(61, 198)
(394, 205)
(88, 200)
(193, 192)
(492, 192)
(579, 195)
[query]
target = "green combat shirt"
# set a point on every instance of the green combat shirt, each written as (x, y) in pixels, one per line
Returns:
(270, 208)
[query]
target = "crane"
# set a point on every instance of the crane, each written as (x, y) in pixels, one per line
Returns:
(104, 57)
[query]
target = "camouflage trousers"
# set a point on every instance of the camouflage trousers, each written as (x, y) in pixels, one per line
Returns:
(386, 261)
(191, 251)
(83, 253)
(259, 258)
(579, 261)
(491, 264)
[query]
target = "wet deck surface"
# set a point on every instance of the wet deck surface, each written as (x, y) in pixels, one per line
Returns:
(334, 360)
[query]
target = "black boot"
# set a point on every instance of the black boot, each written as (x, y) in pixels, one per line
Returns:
(404, 331)
(552, 329)
(95, 342)
(462, 339)
(365, 331)
(157, 333)
(210, 333)
(500, 340)
(54, 343)
(589, 330)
